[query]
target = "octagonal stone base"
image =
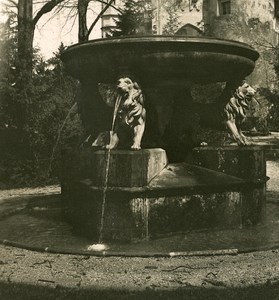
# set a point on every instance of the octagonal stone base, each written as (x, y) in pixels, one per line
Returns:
(146, 198)
(140, 216)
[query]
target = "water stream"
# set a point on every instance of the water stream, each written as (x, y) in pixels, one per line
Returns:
(107, 162)
(104, 196)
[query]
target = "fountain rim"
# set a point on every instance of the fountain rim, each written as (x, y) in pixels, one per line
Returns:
(166, 39)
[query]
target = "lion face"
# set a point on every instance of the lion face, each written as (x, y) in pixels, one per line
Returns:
(125, 85)
(246, 93)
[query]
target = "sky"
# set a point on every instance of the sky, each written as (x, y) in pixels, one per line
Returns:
(50, 33)
(52, 29)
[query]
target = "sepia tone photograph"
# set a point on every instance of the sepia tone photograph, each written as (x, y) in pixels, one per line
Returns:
(139, 149)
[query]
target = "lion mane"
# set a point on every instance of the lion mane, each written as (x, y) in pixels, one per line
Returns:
(132, 113)
(235, 111)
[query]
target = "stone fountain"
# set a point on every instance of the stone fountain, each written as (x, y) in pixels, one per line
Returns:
(120, 194)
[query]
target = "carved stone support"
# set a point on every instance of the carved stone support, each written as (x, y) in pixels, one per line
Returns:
(235, 111)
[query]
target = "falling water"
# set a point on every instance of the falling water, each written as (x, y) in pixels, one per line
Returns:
(104, 195)
(107, 162)
(147, 219)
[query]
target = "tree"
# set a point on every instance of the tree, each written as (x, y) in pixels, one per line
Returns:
(84, 31)
(27, 23)
(28, 147)
(36, 96)
(8, 50)
(26, 28)
(135, 18)
(172, 24)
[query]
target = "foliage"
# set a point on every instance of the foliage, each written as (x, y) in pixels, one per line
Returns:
(30, 127)
(135, 18)
(276, 59)
(268, 115)
(37, 98)
(271, 120)
(172, 24)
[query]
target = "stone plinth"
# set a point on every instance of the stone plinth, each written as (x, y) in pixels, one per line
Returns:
(127, 168)
(244, 162)
(248, 163)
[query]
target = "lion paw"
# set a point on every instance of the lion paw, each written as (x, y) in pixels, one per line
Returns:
(248, 143)
(109, 147)
(244, 142)
(135, 147)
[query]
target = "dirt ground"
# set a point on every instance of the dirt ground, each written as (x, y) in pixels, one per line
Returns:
(31, 275)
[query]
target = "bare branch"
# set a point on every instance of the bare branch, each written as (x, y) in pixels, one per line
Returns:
(11, 3)
(45, 9)
(111, 5)
(52, 16)
(71, 15)
(74, 17)
(108, 4)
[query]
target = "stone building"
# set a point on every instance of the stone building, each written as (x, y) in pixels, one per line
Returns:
(255, 22)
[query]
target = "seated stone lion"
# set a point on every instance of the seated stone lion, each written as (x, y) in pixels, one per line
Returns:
(235, 112)
(129, 114)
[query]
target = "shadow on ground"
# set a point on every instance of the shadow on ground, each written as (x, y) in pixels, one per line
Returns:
(9, 291)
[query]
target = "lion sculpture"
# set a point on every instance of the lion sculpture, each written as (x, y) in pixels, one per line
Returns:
(129, 114)
(235, 112)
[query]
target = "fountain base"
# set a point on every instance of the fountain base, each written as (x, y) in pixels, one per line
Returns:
(248, 163)
(177, 198)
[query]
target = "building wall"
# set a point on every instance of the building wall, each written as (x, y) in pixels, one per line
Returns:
(252, 22)
(186, 11)
(109, 17)
(187, 14)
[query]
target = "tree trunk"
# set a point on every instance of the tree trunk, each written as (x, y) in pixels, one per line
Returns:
(26, 28)
(25, 42)
(82, 21)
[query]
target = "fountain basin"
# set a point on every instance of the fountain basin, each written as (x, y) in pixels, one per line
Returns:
(180, 197)
(157, 59)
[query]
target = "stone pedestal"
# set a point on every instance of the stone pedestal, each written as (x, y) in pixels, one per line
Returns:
(248, 163)
(244, 162)
(127, 168)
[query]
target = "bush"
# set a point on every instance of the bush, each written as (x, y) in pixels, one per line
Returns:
(34, 127)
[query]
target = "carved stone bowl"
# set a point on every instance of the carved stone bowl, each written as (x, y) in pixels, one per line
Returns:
(160, 59)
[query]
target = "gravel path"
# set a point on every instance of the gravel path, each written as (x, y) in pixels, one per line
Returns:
(272, 168)
(27, 192)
